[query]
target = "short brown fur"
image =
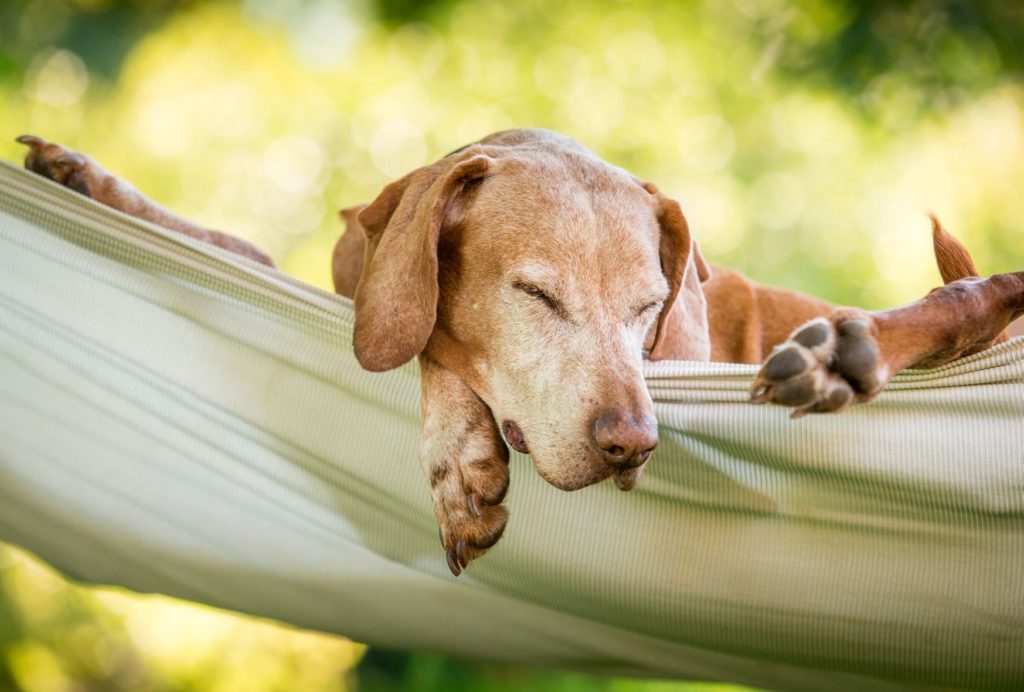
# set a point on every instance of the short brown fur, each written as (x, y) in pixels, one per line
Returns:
(529, 278)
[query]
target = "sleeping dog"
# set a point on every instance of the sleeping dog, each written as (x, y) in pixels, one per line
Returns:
(532, 279)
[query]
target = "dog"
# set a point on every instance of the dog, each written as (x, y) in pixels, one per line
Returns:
(531, 279)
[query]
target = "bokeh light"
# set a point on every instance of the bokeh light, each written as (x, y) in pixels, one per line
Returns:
(805, 140)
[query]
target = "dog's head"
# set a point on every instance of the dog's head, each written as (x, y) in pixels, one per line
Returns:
(542, 276)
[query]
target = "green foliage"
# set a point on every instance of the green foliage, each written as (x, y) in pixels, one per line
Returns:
(101, 32)
(55, 636)
(804, 139)
(965, 45)
(384, 671)
(260, 118)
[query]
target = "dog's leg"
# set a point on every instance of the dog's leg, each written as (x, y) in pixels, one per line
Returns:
(83, 175)
(466, 462)
(830, 363)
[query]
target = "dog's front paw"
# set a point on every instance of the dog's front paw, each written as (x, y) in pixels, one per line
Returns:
(466, 462)
(59, 164)
(824, 366)
(468, 489)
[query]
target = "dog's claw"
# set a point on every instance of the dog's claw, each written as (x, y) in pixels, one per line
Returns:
(474, 504)
(30, 140)
(759, 395)
(468, 494)
(453, 562)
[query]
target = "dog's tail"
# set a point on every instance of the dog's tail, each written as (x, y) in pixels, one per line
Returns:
(954, 261)
(952, 257)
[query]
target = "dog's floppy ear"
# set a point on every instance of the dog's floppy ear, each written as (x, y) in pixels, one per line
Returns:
(396, 299)
(685, 309)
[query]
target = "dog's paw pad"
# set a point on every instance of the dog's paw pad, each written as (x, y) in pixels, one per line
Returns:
(823, 367)
(818, 336)
(809, 348)
(857, 356)
(834, 396)
(788, 363)
(797, 391)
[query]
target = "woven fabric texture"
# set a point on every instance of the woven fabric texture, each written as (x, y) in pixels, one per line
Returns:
(178, 420)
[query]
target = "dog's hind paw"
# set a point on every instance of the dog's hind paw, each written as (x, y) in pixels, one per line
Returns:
(824, 366)
(60, 164)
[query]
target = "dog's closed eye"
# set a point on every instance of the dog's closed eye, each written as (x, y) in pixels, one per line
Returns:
(646, 311)
(543, 296)
(648, 308)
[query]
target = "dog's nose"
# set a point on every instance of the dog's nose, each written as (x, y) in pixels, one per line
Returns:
(625, 440)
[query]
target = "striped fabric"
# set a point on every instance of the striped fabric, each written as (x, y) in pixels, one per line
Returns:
(174, 419)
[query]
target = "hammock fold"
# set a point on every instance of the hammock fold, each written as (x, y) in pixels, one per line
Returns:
(176, 419)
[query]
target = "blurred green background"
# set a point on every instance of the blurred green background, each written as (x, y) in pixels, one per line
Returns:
(804, 139)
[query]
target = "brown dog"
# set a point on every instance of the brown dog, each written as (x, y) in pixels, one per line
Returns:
(532, 279)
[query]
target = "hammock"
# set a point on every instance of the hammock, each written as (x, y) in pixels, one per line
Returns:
(176, 419)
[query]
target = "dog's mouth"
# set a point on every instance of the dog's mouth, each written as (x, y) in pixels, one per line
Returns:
(578, 480)
(585, 475)
(624, 480)
(514, 436)
(627, 479)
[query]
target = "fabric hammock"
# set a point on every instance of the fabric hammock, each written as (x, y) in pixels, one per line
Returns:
(176, 419)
